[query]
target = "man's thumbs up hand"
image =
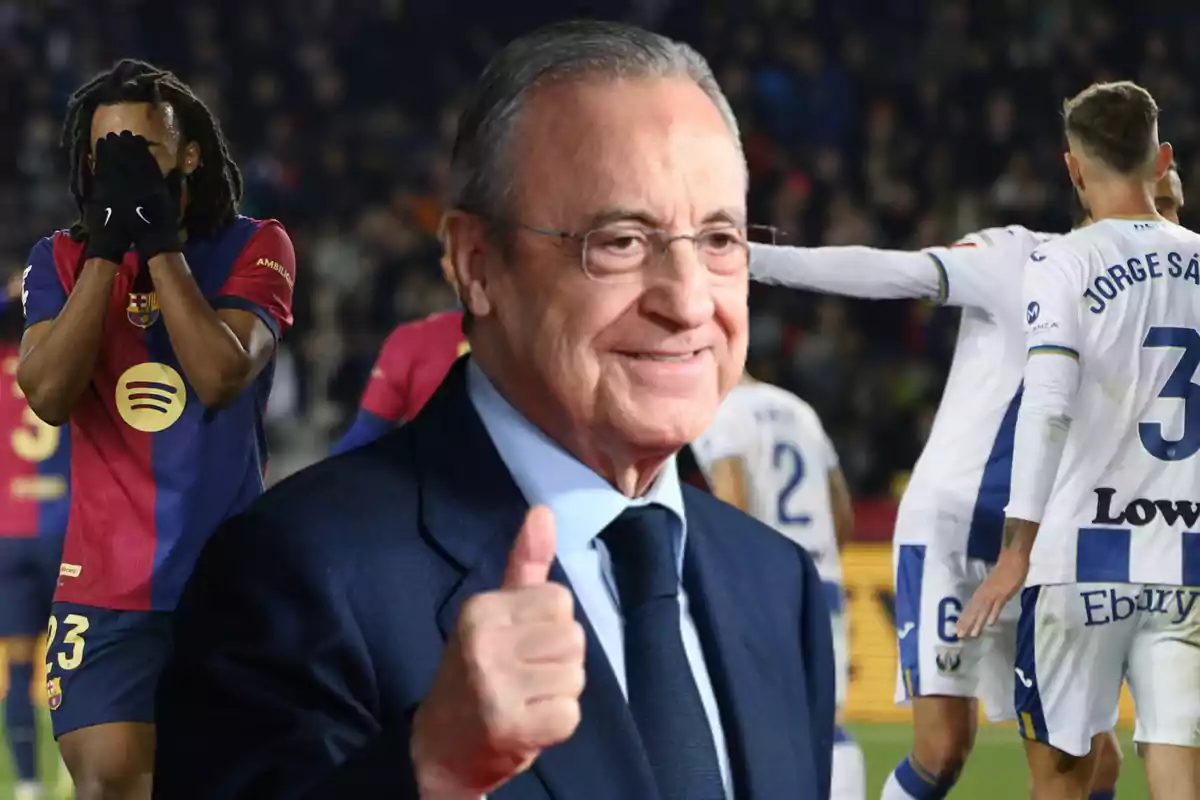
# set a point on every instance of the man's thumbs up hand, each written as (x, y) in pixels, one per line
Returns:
(533, 552)
(509, 682)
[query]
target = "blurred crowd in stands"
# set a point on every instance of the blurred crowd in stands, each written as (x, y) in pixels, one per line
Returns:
(892, 123)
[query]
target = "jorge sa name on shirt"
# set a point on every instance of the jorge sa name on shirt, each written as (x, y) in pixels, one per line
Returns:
(1139, 269)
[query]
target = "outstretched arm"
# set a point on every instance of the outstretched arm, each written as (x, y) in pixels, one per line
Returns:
(851, 271)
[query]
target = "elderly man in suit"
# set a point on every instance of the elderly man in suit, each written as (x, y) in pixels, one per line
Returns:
(513, 595)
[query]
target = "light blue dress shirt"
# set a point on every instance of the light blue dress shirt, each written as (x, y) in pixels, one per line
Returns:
(584, 504)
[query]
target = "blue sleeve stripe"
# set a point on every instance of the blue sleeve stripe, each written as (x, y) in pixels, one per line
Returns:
(943, 279)
(367, 427)
(42, 288)
(1053, 350)
(242, 304)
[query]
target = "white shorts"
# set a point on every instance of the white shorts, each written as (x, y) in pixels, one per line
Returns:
(932, 588)
(1076, 642)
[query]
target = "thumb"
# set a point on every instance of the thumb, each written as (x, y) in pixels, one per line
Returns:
(533, 552)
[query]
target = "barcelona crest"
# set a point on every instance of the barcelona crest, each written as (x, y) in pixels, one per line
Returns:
(143, 309)
(53, 693)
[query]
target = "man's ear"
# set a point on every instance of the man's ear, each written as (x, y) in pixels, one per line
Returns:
(1162, 160)
(467, 250)
(1073, 170)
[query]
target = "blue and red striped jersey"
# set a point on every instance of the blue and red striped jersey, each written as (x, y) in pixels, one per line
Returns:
(34, 461)
(412, 364)
(153, 471)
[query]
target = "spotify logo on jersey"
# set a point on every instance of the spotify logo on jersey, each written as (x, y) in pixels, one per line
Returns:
(150, 397)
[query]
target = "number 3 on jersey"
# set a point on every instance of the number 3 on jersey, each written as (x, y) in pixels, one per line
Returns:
(786, 456)
(1179, 386)
(32, 440)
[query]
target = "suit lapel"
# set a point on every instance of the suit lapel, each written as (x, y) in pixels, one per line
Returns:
(737, 650)
(472, 509)
(470, 506)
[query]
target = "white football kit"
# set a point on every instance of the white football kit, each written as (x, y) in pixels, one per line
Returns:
(787, 457)
(1106, 461)
(950, 520)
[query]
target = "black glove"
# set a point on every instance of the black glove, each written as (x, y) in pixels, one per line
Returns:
(141, 197)
(108, 234)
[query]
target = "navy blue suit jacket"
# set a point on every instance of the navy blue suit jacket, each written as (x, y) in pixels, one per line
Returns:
(314, 623)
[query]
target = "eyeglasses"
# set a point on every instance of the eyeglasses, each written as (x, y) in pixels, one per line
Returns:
(623, 251)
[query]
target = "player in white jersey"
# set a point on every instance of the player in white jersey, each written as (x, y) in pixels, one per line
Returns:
(767, 453)
(1105, 472)
(948, 529)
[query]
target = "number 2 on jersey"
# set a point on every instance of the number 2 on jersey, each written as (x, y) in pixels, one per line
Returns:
(1179, 386)
(786, 456)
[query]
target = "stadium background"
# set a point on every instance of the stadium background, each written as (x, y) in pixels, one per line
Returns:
(895, 123)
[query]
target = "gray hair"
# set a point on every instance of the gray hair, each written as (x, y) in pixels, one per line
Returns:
(481, 179)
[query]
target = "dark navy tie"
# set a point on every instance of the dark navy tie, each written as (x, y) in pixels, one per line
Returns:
(663, 697)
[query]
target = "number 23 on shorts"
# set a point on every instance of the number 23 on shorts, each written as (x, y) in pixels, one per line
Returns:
(71, 656)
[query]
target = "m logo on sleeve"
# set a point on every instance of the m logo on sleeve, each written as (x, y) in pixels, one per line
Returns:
(1031, 313)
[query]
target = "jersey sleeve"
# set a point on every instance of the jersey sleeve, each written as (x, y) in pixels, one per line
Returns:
(386, 395)
(1051, 380)
(262, 278)
(851, 271)
(1051, 301)
(973, 267)
(42, 292)
(1043, 422)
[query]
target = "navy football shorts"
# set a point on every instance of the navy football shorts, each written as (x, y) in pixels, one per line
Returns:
(28, 575)
(103, 665)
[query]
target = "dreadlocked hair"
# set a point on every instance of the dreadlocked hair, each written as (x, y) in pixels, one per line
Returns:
(214, 187)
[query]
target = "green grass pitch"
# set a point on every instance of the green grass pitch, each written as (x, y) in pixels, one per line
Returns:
(996, 770)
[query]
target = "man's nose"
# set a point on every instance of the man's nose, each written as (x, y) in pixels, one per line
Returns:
(680, 288)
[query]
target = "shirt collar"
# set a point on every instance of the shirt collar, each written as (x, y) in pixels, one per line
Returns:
(583, 503)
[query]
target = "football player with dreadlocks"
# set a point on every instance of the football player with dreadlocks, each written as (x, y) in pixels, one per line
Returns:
(150, 326)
